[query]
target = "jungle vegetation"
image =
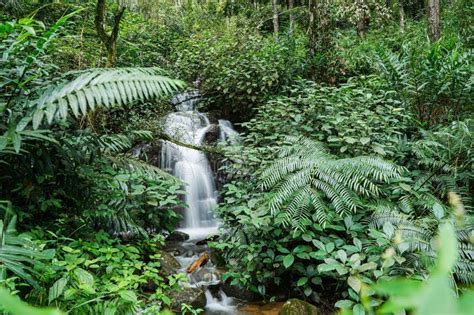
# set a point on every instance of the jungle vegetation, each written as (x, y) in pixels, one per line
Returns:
(351, 187)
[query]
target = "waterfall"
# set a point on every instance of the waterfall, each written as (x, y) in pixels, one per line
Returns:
(192, 166)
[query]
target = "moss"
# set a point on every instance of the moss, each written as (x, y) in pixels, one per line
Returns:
(298, 307)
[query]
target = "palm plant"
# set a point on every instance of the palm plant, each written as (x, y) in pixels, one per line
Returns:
(307, 181)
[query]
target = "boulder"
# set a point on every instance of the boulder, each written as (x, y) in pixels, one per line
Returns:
(177, 236)
(212, 134)
(211, 238)
(238, 292)
(191, 296)
(169, 264)
(298, 307)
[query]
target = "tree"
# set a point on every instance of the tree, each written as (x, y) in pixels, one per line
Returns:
(362, 18)
(276, 23)
(401, 10)
(292, 17)
(318, 32)
(433, 20)
(109, 41)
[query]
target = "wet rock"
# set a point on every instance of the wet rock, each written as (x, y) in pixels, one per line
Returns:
(191, 296)
(261, 308)
(212, 134)
(217, 259)
(238, 292)
(212, 238)
(169, 264)
(177, 236)
(298, 307)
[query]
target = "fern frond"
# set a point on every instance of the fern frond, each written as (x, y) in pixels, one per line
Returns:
(307, 176)
(96, 88)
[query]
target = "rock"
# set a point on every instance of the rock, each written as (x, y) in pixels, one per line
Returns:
(177, 236)
(212, 238)
(212, 134)
(169, 264)
(238, 292)
(191, 296)
(298, 307)
(260, 308)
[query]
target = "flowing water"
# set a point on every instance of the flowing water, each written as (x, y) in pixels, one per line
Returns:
(192, 166)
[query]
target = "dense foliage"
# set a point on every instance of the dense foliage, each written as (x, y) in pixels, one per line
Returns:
(353, 171)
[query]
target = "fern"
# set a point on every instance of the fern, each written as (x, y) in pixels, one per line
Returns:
(416, 237)
(309, 182)
(96, 88)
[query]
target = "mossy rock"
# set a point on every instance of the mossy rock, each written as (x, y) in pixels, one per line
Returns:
(169, 264)
(298, 307)
(190, 296)
(177, 236)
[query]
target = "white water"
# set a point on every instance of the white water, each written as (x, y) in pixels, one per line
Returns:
(227, 132)
(192, 166)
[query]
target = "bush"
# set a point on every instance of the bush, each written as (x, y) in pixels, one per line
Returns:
(237, 69)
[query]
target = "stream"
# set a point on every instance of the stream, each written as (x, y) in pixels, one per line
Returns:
(193, 167)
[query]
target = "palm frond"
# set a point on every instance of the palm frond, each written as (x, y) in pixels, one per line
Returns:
(99, 87)
(131, 164)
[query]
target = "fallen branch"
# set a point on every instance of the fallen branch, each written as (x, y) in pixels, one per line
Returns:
(198, 263)
(203, 148)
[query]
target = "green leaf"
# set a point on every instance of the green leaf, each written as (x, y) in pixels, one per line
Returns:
(358, 309)
(405, 186)
(367, 266)
(84, 277)
(302, 281)
(355, 283)
(438, 211)
(327, 267)
(345, 304)
(364, 141)
(288, 260)
(329, 247)
(14, 306)
(16, 139)
(129, 296)
(57, 289)
(341, 254)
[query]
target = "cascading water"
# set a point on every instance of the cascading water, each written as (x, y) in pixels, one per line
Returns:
(192, 166)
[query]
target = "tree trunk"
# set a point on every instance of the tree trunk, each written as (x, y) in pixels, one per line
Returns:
(311, 30)
(318, 25)
(276, 24)
(109, 41)
(433, 20)
(401, 9)
(362, 18)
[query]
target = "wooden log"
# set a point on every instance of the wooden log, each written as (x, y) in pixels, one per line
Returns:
(198, 263)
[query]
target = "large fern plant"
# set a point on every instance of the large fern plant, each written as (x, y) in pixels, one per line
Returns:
(414, 233)
(309, 183)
